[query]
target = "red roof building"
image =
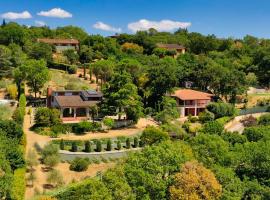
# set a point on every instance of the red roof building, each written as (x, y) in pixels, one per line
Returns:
(191, 102)
(61, 44)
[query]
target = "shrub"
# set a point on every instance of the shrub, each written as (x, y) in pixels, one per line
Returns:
(18, 184)
(72, 69)
(221, 109)
(79, 164)
(18, 116)
(192, 119)
(47, 117)
(11, 129)
(51, 160)
(152, 135)
(74, 147)
(119, 145)
(19, 113)
(254, 134)
(109, 145)
(12, 91)
(206, 116)
(61, 128)
(98, 146)
(136, 142)
(223, 120)
(49, 150)
(62, 144)
(85, 126)
(55, 178)
(108, 122)
(264, 119)
(212, 127)
(234, 138)
(249, 121)
(175, 130)
(128, 143)
(87, 146)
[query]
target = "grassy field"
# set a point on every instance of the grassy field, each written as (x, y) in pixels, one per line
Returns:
(61, 80)
(5, 112)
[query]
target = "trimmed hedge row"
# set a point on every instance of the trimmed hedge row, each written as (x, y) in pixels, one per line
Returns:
(71, 69)
(97, 145)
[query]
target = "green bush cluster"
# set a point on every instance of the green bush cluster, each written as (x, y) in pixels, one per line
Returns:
(79, 164)
(84, 126)
(206, 116)
(46, 117)
(223, 120)
(221, 109)
(212, 127)
(71, 69)
(264, 120)
(19, 113)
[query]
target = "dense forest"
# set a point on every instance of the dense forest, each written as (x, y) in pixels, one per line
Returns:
(134, 76)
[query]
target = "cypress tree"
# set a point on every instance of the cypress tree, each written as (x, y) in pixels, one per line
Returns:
(87, 146)
(99, 146)
(119, 145)
(128, 143)
(74, 147)
(62, 144)
(109, 145)
(136, 142)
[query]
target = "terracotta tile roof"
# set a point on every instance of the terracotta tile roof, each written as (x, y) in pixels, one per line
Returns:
(170, 46)
(188, 94)
(73, 101)
(58, 41)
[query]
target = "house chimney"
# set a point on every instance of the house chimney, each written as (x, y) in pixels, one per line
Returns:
(49, 96)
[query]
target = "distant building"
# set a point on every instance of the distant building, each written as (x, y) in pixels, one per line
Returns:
(178, 48)
(61, 44)
(73, 105)
(191, 102)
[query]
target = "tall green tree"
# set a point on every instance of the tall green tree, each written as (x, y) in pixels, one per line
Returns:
(37, 75)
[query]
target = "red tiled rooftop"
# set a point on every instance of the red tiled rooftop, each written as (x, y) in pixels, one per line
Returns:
(188, 94)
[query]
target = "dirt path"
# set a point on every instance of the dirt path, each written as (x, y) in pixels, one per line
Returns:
(32, 137)
(236, 125)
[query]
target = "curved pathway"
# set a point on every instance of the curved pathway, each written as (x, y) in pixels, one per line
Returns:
(236, 125)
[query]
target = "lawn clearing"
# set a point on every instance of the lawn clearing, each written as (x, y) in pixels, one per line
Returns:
(5, 112)
(61, 80)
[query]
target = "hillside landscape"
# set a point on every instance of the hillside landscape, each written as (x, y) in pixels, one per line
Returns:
(151, 114)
